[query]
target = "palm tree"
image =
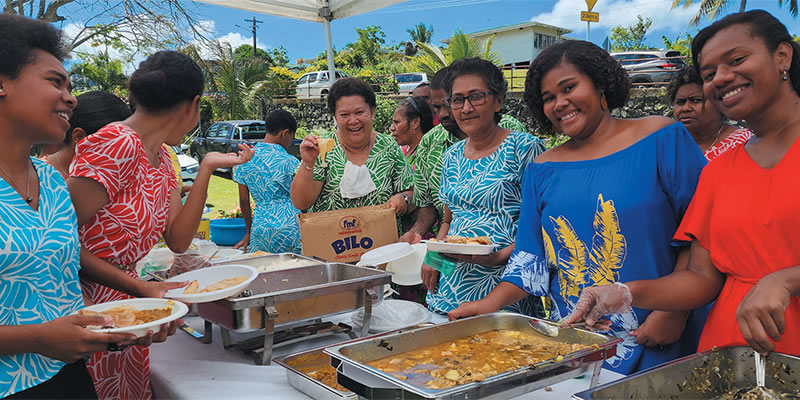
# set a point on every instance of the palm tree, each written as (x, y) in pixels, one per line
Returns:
(421, 33)
(710, 8)
(432, 58)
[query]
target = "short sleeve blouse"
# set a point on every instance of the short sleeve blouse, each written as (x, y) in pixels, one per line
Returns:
(125, 229)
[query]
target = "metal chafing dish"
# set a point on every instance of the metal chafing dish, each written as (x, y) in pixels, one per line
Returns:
(354, 374)
(707, 375)
(281, 299)
(304, 383)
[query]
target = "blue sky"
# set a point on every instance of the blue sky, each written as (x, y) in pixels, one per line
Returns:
(306, 39)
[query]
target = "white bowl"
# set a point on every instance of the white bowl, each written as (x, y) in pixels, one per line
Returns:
(207, 276)
(178, 310)
(406, 270)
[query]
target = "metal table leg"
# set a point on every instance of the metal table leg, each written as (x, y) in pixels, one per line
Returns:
(269, 334)
(370, 296)
(598, 366)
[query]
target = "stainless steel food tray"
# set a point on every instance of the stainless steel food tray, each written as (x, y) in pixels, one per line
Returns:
(705, 375)
(256, 262)
(304, 383)
(353, 373)
(278, 299)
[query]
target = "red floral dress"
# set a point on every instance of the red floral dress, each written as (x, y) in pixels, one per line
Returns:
(737, 138)
(122, 232)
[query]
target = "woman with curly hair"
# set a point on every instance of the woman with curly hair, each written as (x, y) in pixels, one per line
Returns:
(743, 222)
(601, 207)
(706, 124)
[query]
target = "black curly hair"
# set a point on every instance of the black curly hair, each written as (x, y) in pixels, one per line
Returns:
(417, 108)
(164, 80)
(686, 76)
(95, 110)
(350, 87)
(762, 25)
(492, 75)
(19, 36)
(279, 120)
(604, 71)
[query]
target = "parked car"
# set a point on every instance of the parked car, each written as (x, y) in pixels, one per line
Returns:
(650, 66)
(316, 84)
(225, 136)
(408, 82)
(189, 165)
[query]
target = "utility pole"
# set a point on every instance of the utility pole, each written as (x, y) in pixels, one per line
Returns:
(254, 31)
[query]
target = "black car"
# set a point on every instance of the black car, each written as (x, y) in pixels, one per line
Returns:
(224, 137)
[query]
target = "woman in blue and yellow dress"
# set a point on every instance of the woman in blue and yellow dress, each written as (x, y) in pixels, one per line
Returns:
(481, 179)
(602, 207)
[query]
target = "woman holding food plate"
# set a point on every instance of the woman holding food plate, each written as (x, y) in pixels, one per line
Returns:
(126, 197)
(481, 178)
(361, 167)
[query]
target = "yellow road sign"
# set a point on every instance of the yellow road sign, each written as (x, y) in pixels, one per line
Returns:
(590, 4)
(590, 16)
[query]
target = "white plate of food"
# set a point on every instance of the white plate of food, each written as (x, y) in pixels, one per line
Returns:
(212, 283)
(468, 246)
(136, 316)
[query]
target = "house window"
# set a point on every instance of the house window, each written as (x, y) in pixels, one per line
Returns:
(542, 41)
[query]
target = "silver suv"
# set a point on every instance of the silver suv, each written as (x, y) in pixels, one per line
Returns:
(650, 67)
(316, 84)
(407, 82)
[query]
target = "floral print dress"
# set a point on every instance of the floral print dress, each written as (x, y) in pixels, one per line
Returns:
(39, 263)
(122, 232)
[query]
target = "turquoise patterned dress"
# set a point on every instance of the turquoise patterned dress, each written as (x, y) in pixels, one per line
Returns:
(269, 175)
(484, 196)
(39, 266)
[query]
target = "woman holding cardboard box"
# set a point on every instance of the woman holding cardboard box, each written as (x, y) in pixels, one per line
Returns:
(360, 168)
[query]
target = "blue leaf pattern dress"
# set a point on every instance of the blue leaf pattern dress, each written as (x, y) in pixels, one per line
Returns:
(269, 176)
(611, 219)
(39, 263)
(484, 196)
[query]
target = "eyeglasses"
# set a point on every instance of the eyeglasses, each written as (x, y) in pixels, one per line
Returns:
(475, 99)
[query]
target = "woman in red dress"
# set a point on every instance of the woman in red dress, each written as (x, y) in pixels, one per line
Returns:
(126, 197)
(743, 221)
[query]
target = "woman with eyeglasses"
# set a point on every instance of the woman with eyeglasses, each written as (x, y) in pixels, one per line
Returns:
(602, 207)
(412, 118)
(481, 178)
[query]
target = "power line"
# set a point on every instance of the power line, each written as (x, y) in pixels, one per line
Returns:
(255, 29)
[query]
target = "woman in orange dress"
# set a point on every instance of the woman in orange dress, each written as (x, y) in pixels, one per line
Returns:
(744, 222)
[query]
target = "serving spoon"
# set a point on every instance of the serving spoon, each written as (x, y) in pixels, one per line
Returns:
(550, 329)
(760, 376)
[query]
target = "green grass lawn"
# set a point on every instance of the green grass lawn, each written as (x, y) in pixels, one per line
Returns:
(223, 194)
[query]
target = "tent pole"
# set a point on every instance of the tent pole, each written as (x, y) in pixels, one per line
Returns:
(326, 23)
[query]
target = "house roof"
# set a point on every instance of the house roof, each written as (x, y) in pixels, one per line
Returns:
(523, 25)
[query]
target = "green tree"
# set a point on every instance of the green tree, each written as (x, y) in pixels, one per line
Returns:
(432, 58)
(710, 8)
(368, 45)
(632, 37)
(245, 51)
(279, 56)
(421, 33)
(682, 43)
(98, 72)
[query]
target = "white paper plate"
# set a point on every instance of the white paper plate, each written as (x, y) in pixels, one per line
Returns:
(207, 276)
(392, 314)
(226, 255)
(178, 310)
(459, 248)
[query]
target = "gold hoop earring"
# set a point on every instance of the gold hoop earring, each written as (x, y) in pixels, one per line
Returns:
(603, 102)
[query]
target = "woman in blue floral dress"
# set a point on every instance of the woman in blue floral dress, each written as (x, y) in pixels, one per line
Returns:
(481, 179)
(268, 177)
(43, 347)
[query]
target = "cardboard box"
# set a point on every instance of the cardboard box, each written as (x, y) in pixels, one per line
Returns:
(344, 235)
(203, 230)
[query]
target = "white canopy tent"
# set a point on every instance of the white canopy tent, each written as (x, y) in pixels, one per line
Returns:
(323, 11)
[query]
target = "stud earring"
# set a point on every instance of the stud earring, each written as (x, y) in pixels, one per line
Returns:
(785, 76)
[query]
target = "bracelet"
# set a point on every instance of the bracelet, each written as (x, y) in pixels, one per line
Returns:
(306, 166)
(405, 197)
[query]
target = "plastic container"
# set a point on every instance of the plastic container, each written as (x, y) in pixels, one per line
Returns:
(406, 270)
(443, 264)
(227, 231)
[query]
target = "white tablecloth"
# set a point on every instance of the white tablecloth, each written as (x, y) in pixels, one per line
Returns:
(184, 368)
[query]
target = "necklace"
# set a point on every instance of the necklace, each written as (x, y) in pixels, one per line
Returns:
(717, 138)
(28, 197)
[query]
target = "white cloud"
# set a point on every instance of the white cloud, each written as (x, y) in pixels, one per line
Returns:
(566, 14)
(233, 39)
